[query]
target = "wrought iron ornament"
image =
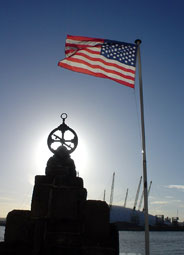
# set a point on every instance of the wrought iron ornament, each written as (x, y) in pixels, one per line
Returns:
(62, 136)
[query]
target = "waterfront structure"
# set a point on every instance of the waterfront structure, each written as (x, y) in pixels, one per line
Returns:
(61, 219)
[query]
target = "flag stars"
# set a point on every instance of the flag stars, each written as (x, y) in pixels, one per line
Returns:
(122, 52)
(102, 58)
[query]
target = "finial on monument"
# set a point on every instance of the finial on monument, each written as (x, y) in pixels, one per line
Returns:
(62, 137)
(138, 42)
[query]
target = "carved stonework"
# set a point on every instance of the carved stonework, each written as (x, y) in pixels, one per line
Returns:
(61, 219)
(60, 163)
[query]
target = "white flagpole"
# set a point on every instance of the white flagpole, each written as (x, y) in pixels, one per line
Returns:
(138, 42)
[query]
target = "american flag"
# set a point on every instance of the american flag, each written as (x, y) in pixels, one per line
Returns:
(102, 58)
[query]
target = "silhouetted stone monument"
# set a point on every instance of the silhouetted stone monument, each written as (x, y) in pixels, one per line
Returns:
(61, 219)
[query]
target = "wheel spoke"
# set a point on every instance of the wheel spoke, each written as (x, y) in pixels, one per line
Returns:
(67, 145)
(56, 136)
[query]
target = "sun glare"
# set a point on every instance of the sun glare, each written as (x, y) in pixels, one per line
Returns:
(42, 154)
(80, 156)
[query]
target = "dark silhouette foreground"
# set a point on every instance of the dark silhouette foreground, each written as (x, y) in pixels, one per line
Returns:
(61, 219)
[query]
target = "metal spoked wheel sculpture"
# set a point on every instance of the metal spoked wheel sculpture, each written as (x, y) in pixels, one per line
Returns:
(62, 136)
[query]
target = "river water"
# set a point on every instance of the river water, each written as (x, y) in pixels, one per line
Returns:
(132, 242)
(2, 233)
(161, 243)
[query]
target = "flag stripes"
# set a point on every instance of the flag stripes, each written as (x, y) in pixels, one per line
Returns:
(84, 54)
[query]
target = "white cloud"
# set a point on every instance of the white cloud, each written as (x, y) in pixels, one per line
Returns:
(181, 206)
(159, 202)
(177, 201)
(180, 187)
(170, 197)
(152, 197)
(6, 199)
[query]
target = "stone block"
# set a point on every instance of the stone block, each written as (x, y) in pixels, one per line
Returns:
(63, 239)
(96, 220)
(98, 250)
(60, 171)
(62, 250)
(67, 203)
(79, 182)
(65, 180)
(19, 227)
(43, 179)
(40, 198)
(65, 226)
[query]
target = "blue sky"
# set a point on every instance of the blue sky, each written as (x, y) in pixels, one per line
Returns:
(34, 92)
